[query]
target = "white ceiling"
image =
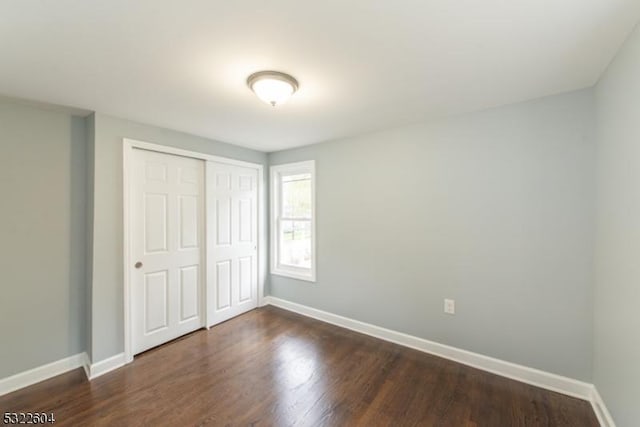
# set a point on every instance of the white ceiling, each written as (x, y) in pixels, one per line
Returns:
(362, 65)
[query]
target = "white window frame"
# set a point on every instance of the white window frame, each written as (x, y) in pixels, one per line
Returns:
(308, 274)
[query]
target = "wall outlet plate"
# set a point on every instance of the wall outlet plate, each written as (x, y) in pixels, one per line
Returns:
(450, 306)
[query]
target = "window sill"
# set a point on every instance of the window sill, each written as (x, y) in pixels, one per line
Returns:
(293, 275)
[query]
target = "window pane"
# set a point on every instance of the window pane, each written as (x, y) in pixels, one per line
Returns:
(296, 196)
(295, 243)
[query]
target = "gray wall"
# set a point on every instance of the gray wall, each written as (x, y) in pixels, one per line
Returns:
(107, 285)
(617, 302)
(494, 209)
(42, 217)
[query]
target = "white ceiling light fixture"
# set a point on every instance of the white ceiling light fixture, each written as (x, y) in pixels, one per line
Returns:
(273, 87)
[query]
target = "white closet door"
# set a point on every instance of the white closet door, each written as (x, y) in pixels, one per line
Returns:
(167, 224)
(232, 240)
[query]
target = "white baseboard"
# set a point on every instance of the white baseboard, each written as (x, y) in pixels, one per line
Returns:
(514, 371)
(94, 370)
(41, 373)
(599, 407)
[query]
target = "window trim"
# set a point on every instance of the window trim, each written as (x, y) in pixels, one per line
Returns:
(275, 185)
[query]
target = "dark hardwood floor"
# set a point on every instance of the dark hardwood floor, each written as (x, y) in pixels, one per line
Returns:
(275, 368)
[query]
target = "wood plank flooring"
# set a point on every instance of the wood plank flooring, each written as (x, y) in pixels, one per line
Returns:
(271, 367)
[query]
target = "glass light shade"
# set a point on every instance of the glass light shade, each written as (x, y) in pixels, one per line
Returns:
(272, 87)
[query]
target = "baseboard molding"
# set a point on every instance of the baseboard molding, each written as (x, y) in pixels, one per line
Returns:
(94, 370)
(50, 370)
(41, 373)
(510, 370)
(599, 407)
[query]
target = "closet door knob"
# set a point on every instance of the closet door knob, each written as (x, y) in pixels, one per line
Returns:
(138, 264)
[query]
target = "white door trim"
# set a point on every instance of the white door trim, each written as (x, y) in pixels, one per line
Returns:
(128, 146)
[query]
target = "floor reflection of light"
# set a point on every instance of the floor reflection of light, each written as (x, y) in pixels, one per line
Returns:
(299, 376)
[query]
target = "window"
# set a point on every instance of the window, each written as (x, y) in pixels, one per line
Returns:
(293, 220)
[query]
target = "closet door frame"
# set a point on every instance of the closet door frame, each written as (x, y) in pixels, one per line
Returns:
(128, 146)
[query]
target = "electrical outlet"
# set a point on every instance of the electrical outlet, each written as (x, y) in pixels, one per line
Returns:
(450, 306)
